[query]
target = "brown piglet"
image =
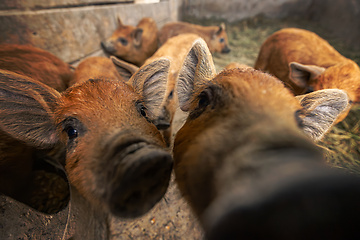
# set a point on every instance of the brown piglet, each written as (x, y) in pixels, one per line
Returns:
(215, 36)
(245, 160)
(306, 62)
(35, 63)
(115, 160)
(104, 68)
(175, 49)
(133, 44)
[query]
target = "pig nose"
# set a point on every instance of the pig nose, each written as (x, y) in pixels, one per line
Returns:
(311, 209)
(107, 46)
(143, 182)
(162, 124)
(226, 49)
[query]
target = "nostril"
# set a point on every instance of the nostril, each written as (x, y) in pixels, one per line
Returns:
(226, 50)
(107, 46)
(163, 126)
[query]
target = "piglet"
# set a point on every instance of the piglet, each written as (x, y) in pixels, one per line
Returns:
(36, 63)
(133, 44)
(246, 161)
(215, 36)
(306, 62)
(115, 161)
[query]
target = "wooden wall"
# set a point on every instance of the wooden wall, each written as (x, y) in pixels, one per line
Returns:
(73, 29)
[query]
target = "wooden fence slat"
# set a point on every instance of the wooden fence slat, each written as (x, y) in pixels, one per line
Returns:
(46, 4)
(73, 33)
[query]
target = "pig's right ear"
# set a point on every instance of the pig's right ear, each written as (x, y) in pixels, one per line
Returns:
(26, 110)
(150, 82)
(198, 68)
(125, 69)
(320, 111)
(301, 74)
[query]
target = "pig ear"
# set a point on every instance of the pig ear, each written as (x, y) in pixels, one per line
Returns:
(26, 110)
(150, 81)
(120, 24)
(125, 69)
(221, 28)
(321, 110)
(198, 68)
(301, 74)
(137, 35)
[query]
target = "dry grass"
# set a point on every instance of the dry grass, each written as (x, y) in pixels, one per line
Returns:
(342, 143)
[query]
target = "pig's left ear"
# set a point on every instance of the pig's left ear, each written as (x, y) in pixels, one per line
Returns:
(125, 69)
(321, 110)
(198, 68)
(150, 81)
(137, 36)
(301, 74)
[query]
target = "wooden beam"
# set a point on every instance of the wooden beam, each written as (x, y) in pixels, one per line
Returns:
(72, 33)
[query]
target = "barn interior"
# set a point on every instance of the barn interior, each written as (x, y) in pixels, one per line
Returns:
(73, 30)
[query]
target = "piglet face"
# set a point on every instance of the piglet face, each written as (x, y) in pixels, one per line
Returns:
(114, 153)
(219, 41)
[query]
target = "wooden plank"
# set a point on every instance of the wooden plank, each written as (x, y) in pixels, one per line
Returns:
(47, 4)
(73, 33)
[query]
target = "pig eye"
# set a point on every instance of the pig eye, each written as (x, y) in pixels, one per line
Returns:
(73, 127)
(204, 99)
(123, 41)
(142, 110)
(71, 132)
(208, 97)
(221, 40)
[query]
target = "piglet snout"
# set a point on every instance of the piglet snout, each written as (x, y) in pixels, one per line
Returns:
(140, 180)
(323, 207)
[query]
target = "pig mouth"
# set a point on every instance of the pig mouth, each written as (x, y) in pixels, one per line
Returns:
(108, 48)
(143, 178)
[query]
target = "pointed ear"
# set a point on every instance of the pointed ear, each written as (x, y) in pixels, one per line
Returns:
(198, 68)
(301, 74)
(125, 69)
(150, 81)
(220, 30)
(137, 35)
(120, 24)
(26, 110)
(321, 110)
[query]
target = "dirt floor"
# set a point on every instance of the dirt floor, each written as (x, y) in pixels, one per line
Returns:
(171, 218)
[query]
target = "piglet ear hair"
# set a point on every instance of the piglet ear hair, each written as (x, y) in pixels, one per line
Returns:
(150, 81)
(125, 69)
(221, 28)
(137, 36)
(301, 74)
(27, 110)
(197, 69)
(321, 110)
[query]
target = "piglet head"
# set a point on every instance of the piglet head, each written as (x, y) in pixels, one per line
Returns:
(115, 156)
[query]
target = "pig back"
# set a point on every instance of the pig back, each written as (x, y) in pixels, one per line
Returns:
(36, 63)
(95, 68)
